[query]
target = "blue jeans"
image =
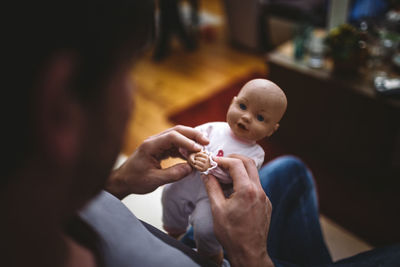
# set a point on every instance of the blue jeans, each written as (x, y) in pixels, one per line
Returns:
(295, 232)
(295, 237)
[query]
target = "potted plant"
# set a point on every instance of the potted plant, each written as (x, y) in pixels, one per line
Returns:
(345, 46)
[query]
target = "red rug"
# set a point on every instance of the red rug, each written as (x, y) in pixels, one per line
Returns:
(354, 198)
(214, 108)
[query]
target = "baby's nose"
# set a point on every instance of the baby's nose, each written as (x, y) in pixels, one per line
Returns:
(246, 117)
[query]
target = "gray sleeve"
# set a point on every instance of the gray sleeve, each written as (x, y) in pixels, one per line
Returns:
(125, 241)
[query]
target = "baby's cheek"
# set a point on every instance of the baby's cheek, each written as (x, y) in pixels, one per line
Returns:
(236, 113)
(259, 132)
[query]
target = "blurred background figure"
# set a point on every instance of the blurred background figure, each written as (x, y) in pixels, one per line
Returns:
(171, 22)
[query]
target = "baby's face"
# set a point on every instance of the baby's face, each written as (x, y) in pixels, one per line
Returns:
(255, 112)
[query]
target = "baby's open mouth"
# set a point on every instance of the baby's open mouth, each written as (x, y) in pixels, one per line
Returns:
(242, 126)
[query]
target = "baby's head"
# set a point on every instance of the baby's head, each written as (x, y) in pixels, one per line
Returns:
(256, 111)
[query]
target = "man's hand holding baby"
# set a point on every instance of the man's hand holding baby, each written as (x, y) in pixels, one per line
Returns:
(241, 222)
(142, 172)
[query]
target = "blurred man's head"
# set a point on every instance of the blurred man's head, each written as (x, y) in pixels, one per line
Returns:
(66, 94)
(66, 101)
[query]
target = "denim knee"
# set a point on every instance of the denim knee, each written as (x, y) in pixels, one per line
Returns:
(296, 167)
(286, 170)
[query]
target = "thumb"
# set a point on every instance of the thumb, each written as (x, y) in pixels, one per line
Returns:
(175, 172)
(214, 190)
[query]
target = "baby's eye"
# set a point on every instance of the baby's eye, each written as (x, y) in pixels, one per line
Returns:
(242, 106)
(260, 118)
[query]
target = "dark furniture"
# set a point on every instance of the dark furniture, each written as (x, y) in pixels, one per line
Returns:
(249, 22)
(299, 13)
(350, 137)
(341, 117)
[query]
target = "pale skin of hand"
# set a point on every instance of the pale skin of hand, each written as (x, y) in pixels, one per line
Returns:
(200, 161)
(241, 222)
(142, 172)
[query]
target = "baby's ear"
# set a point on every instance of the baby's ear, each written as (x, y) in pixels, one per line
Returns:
(273, 130)
(276, 127)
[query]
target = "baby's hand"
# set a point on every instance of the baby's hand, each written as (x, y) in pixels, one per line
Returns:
(200, 161)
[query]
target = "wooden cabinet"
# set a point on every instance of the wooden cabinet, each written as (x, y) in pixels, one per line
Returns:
(338, 117)
(350, 139)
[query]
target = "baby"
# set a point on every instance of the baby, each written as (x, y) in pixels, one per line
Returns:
(253, 114)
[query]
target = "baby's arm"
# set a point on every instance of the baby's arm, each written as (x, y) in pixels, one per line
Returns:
(200, 161)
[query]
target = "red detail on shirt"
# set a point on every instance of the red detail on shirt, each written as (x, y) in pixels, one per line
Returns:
(220, 153)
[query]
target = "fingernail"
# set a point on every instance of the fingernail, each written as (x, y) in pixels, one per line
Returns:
(197, 146)
(205, 138)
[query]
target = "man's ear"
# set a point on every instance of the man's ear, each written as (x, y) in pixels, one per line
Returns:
(59, 116)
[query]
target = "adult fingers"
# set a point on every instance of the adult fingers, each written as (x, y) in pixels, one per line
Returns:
(250, 166)
(214, 191)
(189, 132)
(236, 169)
(174, 173)
(158, 145)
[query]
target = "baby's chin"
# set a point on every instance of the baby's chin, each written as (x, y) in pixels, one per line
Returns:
(243, 136)
(251, 138)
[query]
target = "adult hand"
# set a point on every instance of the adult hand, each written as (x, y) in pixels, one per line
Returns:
(142, 172)
(241, 222)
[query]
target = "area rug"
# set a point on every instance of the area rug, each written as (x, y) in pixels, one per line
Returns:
(213, 108)
(354, 198)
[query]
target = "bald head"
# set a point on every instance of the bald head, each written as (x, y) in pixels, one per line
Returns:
(276, 98)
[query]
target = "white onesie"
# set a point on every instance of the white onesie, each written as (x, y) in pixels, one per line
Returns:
(187, 201)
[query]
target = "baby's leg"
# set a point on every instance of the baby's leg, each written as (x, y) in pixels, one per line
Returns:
(206, 242)
(178, 203)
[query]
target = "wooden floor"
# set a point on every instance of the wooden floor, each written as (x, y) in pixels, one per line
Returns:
(184, 78)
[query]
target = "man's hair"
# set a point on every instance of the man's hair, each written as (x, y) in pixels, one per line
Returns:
(99, 34)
